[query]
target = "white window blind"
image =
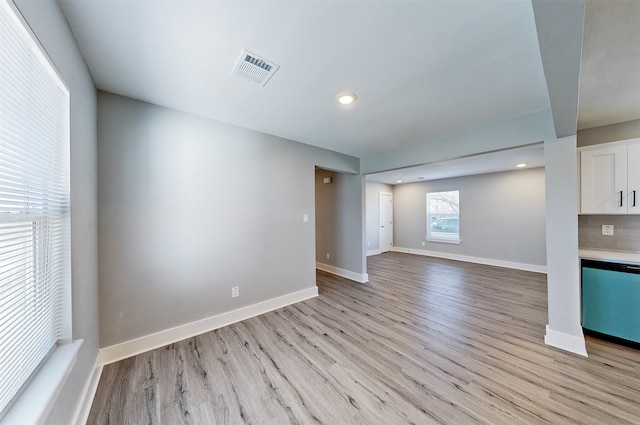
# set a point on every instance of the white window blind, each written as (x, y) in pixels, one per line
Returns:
(34, 208)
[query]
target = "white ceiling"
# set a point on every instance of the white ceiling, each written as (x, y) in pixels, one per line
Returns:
(421, 69)
(490, 162)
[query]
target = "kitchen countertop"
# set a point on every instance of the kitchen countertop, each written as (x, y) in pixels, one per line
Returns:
(612, 256)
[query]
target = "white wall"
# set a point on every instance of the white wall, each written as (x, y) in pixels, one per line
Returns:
(502, 217)
(49, 25)
(563, 278)
(373, 190)
(190, 207)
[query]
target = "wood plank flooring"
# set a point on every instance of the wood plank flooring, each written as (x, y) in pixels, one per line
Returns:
(426, 341)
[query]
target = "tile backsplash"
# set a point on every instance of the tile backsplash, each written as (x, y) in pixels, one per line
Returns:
(626, 236)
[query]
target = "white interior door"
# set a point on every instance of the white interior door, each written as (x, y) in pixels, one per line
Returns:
(386, 221)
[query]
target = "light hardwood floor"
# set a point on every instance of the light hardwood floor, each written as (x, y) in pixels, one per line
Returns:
(426, 341)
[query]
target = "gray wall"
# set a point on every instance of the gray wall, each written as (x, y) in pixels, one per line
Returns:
(50, 26)
(339, 220)
(373, 190)
(190, 207)
(502, 216)
(609, 133)
(627, 227)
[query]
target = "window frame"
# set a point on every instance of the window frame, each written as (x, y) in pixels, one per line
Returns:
(32, 401)
(433, 217)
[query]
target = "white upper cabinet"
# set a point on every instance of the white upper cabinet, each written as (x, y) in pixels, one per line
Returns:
(610, 178)
(633, 171)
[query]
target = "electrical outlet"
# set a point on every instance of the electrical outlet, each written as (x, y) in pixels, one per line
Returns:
(607, 229)
(423, 243)
(235, 292)
(328, 256)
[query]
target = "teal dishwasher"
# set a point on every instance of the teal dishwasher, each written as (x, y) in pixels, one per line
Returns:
(611, 299)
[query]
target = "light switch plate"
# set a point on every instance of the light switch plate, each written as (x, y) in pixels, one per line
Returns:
(607, 229)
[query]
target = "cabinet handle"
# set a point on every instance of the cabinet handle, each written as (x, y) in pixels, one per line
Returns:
(621, 198)
(634, 198)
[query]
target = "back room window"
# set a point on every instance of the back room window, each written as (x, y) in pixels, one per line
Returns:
(443, 216)
(35, 268)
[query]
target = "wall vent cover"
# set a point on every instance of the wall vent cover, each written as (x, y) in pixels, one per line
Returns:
(254, 68)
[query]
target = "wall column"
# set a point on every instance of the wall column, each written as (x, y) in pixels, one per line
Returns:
(563, 267)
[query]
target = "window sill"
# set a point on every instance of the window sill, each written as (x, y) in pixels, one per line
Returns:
(33, 406)
(451, 241)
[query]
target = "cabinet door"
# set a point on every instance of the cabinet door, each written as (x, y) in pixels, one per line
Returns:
(633, 180)
(603, 180)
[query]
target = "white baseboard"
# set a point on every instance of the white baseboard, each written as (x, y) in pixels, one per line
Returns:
(373, 252)
(571, 343)
(88, 394)
(470, 259)
(130, 348)
(360, 278)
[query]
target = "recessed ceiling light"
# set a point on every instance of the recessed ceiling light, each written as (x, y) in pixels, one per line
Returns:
(399, 181)
(521, 165)
(346, 98)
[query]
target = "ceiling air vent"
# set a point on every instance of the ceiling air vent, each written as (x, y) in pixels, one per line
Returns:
(254, 68)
